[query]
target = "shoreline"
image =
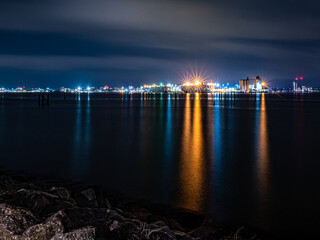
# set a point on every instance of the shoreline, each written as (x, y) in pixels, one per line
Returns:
(44, 208)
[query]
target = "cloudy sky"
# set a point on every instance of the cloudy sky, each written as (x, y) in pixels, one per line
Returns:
(68, 43)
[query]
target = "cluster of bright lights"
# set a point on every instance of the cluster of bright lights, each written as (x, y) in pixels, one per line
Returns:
(194, 77)
(196, 83)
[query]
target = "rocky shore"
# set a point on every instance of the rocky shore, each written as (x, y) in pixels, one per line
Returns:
(33, 207)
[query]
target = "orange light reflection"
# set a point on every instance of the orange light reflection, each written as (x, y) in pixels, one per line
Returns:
(191, 164)
(263, 152)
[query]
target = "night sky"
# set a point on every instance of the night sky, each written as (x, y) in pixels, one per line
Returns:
(131, 42)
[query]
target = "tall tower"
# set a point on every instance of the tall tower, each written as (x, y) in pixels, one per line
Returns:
(295, 86)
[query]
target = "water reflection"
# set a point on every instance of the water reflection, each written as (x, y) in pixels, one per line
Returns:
(262, 153)
(168, 141)
(2, 114)
(192, 156)
(82, 141)
(168, 132)
(242, 165)
(299, 126)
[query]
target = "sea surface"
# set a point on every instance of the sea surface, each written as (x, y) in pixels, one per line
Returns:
(241, 159)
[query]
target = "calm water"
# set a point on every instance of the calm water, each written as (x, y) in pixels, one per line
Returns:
(241, 159)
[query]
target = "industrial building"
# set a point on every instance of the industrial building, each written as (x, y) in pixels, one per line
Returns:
(246, 87)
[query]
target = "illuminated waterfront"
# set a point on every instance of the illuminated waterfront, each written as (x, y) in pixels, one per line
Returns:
(191, 83)
(221, 154)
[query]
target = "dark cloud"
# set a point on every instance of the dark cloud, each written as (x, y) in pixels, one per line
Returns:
(136, 41)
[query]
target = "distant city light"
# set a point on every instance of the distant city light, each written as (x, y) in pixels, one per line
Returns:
(196, 84)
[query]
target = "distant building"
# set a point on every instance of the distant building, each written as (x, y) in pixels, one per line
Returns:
(257, 83)
(295, 86)
(244, 85)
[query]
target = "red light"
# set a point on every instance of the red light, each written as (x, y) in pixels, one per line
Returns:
(301, 78)
(297, 78)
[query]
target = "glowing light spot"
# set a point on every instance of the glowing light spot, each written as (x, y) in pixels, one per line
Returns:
(195, 76)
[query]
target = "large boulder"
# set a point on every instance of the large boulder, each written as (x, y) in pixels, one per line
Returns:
(13, 221)
(49, 228)
(86, 233)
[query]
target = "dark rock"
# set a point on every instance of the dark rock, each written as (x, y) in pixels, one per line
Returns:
(107, 203)
(121, 227)
(9, 185)
(85, 216)
(40, 202)
(142, 214)
(101, 199)
(173, 224)
(183, 236)
(96, 217)
(204, 232)
(14, 220)
(49, 228)
(34, 199)
(160, 223)
(86, 233)
(62, 193)
(129, 219)
(126, 228)
(89, 194)
(155, 232)
(86, 198)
